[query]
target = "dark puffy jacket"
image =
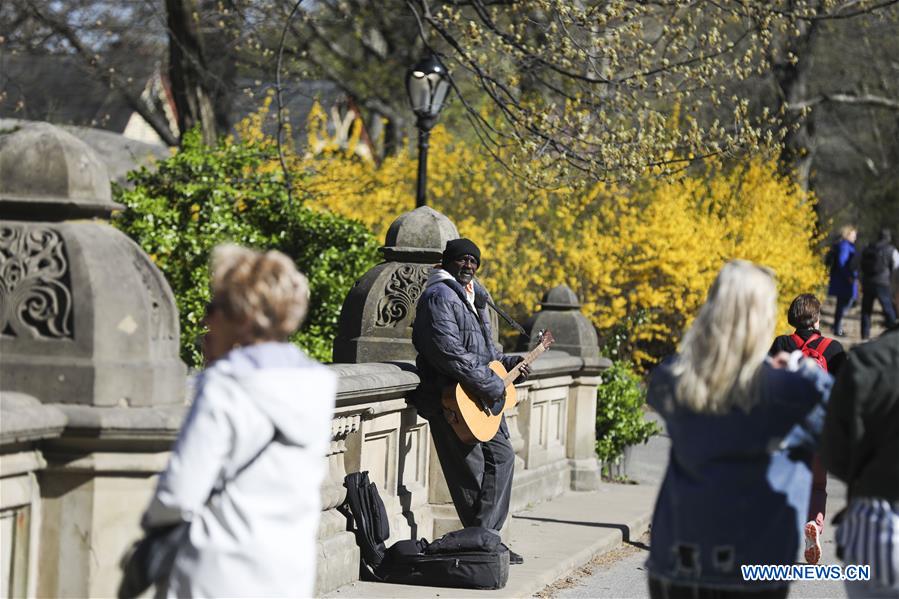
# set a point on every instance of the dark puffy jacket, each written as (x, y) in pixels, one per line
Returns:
(454, 344)
(861, 433)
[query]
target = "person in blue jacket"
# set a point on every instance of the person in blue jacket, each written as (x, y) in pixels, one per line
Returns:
(743, 431)
(843, 283)
(454, 340)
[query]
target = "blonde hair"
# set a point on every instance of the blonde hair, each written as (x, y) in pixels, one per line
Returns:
(846, 231)
(722, 353)
(264, 290)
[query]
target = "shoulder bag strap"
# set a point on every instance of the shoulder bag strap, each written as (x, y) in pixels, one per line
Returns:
(219, 489)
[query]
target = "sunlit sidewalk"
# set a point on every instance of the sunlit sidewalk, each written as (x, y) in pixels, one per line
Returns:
(554, 538)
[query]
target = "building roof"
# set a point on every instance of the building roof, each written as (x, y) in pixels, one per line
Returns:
(61, 90)
(298, 98)
(120, 154)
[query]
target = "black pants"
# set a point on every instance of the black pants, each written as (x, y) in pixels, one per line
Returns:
(479, 476)
(660, 589)
(882, 294)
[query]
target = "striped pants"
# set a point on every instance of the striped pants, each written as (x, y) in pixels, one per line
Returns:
(869, 535)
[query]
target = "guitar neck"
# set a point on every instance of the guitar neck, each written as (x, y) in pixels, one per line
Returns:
(530, 357)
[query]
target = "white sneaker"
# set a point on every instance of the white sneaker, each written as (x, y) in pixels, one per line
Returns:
(812, 544)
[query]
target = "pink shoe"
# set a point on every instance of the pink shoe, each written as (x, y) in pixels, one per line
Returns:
(812, 544)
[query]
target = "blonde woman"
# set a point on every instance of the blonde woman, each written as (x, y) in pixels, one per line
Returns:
(743, 431)
(250, 458)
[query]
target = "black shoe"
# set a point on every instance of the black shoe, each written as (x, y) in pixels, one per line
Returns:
(514, 558)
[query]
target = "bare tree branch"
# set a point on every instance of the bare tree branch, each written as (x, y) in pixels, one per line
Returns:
(847, 98)
(106, 74)
(278, 95)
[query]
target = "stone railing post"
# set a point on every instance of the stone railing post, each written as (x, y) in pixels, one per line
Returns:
(376, 318)
(575, 335)
(89, 325)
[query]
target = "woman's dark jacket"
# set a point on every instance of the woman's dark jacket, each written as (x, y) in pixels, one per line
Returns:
(843, 273)
(737, 487)
(454, 344)
(861, 433)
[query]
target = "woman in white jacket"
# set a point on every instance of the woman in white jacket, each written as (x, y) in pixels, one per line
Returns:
(249, 461)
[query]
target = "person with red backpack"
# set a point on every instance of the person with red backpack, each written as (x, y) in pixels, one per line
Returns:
(805, 315)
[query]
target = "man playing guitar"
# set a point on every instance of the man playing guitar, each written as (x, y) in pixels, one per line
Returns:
(452, 335)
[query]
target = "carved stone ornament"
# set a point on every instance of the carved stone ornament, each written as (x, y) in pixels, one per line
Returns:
(35, 291)
(400, 294)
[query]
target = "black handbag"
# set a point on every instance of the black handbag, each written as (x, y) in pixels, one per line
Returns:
(151, 558)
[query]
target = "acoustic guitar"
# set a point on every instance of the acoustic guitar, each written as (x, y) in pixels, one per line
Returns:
(470, 419)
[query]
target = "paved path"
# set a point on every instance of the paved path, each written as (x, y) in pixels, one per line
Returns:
(554, 537)
(851, 322)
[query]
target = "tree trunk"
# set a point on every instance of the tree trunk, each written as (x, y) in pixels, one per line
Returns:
(797, 154)
(222, 60)
(188, 71)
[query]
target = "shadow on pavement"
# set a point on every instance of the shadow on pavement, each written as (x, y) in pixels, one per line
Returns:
(624, 530)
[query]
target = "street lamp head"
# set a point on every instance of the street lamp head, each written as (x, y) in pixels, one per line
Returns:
(427, 84)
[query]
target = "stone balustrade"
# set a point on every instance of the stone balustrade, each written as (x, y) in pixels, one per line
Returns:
(92, 392)
(75, 479)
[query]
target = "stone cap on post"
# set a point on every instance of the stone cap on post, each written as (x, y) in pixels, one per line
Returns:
(376, 319)
(573, 332)
(86, 317)
(418, 236)
(48, 174)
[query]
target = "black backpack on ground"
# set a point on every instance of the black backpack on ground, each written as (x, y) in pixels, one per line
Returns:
(471, 558)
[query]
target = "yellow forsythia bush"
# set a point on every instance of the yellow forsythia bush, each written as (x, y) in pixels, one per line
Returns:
(640, 258)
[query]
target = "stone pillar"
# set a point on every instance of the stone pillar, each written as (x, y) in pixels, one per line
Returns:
(86, 316)
(575, 335)
(581, 442)
(376, 319)
(89, 325)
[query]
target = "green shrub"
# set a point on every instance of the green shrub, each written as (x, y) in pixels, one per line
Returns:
(619, 412)
(203, 196)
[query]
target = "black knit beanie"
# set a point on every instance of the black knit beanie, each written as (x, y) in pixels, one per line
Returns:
(456, 248)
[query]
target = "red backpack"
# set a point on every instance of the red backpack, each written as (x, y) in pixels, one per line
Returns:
(815, 353)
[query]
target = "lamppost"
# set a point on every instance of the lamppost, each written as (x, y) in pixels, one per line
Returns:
(427, 84)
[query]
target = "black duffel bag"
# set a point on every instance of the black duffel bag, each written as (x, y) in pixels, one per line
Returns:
(471, 558)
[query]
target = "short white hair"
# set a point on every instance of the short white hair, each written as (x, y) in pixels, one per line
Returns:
(264, 290)
(722, 353)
